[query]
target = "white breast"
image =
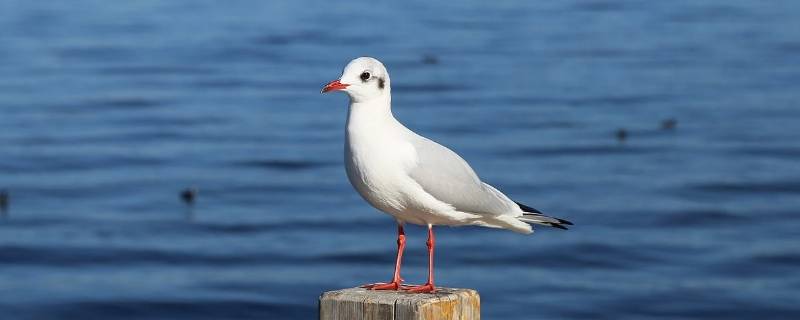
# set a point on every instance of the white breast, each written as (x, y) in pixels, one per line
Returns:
(377, 163)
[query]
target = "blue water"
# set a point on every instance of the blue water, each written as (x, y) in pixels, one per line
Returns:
(109, 109)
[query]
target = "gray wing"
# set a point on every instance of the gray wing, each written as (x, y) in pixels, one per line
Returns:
(448, 178)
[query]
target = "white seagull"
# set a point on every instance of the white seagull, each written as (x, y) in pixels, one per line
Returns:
(412, 178)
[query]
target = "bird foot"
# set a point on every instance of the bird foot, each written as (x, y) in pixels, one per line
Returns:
(394, 285)
(425, 288)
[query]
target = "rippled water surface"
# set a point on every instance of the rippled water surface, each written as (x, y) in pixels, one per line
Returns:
(108, 110)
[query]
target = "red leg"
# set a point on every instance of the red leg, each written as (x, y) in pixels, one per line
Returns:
(428, 286)
(396, 280)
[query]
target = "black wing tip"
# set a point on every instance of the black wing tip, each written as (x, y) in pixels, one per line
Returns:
(527, 208)
(558, 226)
(562, 221)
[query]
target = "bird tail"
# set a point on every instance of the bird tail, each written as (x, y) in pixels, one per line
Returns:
(531, 215)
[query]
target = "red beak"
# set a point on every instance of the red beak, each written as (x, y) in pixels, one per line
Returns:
(334, 85)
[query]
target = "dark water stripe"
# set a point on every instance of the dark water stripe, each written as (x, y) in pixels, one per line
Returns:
(239, 83)
(160, 122)
(778, 152)
(249, 53)
(603, 6)
(595, 150)
(275, 188)
(699, 303)
(649, 218)
(204, 229)
(567, 257)
(59, 195)
(94, 53)
(17, 224)
(708, 14)
(321, 37)
(228, 83)
(154, 70)
(690, 218)
(476, 128)
(142, 130)
(427, 88)
(286, 225)
(127, 103)
(776, 264)
(760, 187)
(138, 136)
(283, 164)
(547, 125)
(96, 106)
(81, 256)
(616, 101)
(787, 47)
(711, 218)
(70, 257)
(464, 24)
(63, 163)
(170, 309)
(459, 130)
(105, 104)
(787, 259)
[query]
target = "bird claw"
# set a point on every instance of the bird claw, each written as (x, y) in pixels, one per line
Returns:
(394, 285)
(425, 288)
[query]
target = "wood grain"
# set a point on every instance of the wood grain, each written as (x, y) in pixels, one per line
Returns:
(362, 304)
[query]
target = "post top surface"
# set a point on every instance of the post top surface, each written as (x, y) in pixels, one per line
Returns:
(362, 304)
(394, 295)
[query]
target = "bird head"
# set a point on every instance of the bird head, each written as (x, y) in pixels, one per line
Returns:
(363, 79)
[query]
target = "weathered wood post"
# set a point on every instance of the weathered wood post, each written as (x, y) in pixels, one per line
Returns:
(363, 304)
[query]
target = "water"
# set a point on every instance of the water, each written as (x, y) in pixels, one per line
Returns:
(110, 110)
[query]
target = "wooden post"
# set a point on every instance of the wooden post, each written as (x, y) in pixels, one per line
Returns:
(362, 304)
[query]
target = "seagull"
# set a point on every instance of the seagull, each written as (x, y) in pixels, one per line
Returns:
(412, 178)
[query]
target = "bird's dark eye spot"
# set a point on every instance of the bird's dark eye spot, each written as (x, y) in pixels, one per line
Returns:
(365, 76)
(381, 83)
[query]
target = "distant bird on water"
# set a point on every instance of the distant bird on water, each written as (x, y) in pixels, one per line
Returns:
(621, 134)
(669, 124)
(412, 178)
(188, 195)
(4, 199)
(430, 59)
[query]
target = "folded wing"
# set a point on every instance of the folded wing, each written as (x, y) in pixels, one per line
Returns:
(448, 178)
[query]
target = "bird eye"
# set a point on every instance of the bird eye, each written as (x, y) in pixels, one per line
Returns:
(365, 76)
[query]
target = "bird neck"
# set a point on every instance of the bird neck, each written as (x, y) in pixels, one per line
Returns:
(372, 115)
